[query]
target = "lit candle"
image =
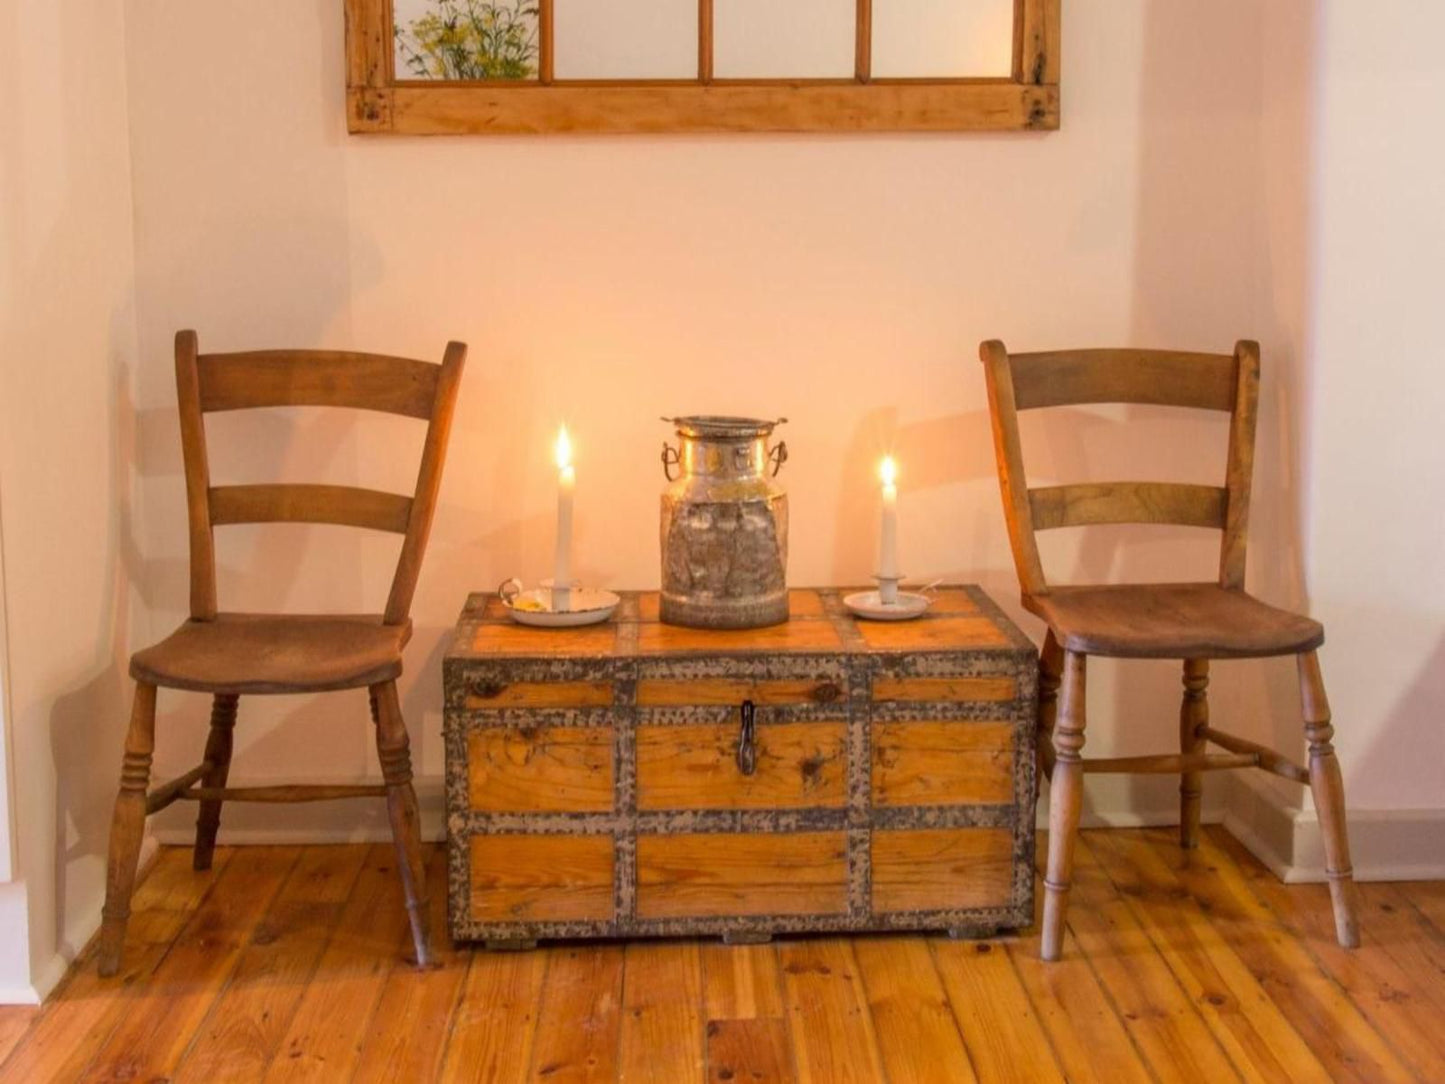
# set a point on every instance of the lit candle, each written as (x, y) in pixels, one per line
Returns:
(888, 538)
(566, 483)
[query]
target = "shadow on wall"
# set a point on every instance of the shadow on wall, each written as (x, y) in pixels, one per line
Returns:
(1209, 190)
(88, 722)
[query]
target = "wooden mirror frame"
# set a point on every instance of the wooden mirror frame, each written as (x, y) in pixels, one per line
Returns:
(378, 102)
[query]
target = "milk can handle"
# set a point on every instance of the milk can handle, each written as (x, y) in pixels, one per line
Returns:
(778, 455)
(671, 457)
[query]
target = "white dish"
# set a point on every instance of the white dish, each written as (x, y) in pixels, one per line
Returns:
(589, 606)
(868, 604)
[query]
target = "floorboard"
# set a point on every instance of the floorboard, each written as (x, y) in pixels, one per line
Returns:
(291, 964)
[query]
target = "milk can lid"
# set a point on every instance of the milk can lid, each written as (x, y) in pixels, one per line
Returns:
(723, 427)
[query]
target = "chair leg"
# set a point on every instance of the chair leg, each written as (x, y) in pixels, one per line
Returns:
(127, 826)
(218, 754)
(1193, 718)
(1329, 795)
(1066, 794)
(394, 749)
(1051, 665)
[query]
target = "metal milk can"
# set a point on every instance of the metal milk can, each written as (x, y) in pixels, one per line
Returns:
(724, 525)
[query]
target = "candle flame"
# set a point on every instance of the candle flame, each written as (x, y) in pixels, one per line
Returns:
(563, 449)
(888, 470)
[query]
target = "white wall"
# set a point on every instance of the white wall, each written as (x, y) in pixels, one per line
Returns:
(1233, 169)
(67, 325)
(841, 281)
(1376, 459)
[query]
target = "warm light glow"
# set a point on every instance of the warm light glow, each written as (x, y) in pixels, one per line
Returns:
(888, 470)
(563, 449)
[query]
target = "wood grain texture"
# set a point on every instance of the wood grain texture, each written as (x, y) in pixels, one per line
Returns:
(1155, 377)
(1167, 933)
(198, 477)
(347, 506)
(521, 877)
(1172, 621)
(378, 103)
(918, 1038)
(1251, 1030)
(667, 692)
(245, 1027)
(721, 874)
(920, 869)
(695, 767)
(1002, 1031)
(495, 1023)
(909, 690)
(1163, 1021)
(681, 762)
(753, 1050)
(741, 982)
(952, 763)
(417, 1004)
(778, 106)
(660, 639)
(662, 1033)
(1282, 959)
(834, 1041)
(329, 1027)
(274, 378)
(150, 1040)
(1003, 408)
(1086, 505)
(577, 1035)
(495, 696)
(1239, 475)
(547, 769)
(933, 634)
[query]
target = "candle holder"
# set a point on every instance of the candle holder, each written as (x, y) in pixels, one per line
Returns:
(887, 603)
(548, 607)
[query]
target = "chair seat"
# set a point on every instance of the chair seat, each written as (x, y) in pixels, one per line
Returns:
(274, 653)
(1172, 621)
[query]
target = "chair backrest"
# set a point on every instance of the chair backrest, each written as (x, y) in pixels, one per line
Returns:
(1228, 383)
(207, 383)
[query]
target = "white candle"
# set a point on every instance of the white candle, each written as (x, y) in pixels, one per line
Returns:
(566, 483)
(888, 538)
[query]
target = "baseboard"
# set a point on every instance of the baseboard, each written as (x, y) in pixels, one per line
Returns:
(1385, 844)
(81, 932)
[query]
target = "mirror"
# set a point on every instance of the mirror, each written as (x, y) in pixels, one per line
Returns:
(917, 39)
(626, 39)
(466, 39)
(533, 66)
(796, 39)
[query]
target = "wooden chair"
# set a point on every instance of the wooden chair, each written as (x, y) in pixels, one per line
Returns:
(1194, 622)
(233, 654)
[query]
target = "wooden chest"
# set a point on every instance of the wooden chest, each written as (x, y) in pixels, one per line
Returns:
(635, 778)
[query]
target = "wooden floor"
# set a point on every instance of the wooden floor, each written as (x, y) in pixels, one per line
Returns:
(283, 964)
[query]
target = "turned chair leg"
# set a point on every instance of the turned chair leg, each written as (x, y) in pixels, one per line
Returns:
(1066, 794)
(1329, 794)
(127, 826)
(394, 749)
(1193, 718)
(218, 755)
(1051, 666)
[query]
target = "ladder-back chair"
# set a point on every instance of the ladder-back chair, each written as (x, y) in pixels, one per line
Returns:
(1194, 622)
(229, 655)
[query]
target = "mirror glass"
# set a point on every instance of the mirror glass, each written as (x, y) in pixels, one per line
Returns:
(915, 39)
(465, 39)
(784, 39)
(625, 39)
